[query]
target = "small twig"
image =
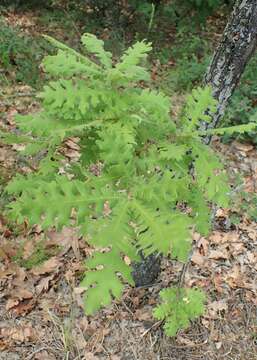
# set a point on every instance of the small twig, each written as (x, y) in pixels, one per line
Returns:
(184, 269)
(157, 324)
(127, 308)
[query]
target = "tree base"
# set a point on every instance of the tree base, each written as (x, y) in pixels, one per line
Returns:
(146, 272)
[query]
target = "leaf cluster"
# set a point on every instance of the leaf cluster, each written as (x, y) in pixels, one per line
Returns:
(156, 177)
(179, 306)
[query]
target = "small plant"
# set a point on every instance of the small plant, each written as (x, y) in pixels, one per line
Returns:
(178, 307)
(38, 256)
(20, 54)
(143, 181)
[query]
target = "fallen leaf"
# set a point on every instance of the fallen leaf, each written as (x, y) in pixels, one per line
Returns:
(144, 314)
(218, 345)
(4, 344)
(215, 307)
(23, 308)
(90, 356)
(19, 334)
(22, 294)
(218, 254)
(184, 341)
(72, 143)
(243, 147)
(218, 282)
(218, 237)
(44, 284)
(28, 249)
(44, 355)
(203, 246)
(198, 259)
(236, 278)
(48, 266)
(11, 303)
(237, 248)
(67, 238)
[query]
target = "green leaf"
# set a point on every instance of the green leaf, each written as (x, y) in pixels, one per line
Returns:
(96, 46)
(179, 306)
(173, 151)
(200, 106)
(105, 283)
(50, 203)
(163, 232)
(114, 231)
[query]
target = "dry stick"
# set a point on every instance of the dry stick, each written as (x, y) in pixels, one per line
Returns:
(183, 271)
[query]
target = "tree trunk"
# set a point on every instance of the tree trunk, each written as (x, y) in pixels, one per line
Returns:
(238, 44)
(233, 53)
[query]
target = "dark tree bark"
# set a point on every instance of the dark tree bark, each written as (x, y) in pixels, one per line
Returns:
(237, 46)
(233, 53)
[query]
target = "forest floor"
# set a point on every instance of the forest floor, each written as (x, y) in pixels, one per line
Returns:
(41, 301)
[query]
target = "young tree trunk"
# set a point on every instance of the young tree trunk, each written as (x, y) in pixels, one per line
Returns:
(238, 44)
(233, 53)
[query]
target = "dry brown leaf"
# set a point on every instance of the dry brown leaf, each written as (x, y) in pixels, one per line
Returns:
(218, 237)
(252, 258)
(51, 265)
(4, 344)
(6, 272)
(44, 284)
(22, 293)
(218, 282)
(221, 213)
(237, 248)
(236, 278)
(90, 356)
(243, 147)
(198, 259)
(218, 254)
(72, 143)
(28, 249)
(20, 276)
(23, 308)
(67, 238)
(11, 303)
(215, 307)
(218, 345)
(203, 246)
(185, 341)
(44, 355)
(144, 314)
(19, 333)
(196, 236)
(79, 339)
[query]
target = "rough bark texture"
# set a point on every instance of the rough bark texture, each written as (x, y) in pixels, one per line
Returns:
(146, 272)
(233, 53)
